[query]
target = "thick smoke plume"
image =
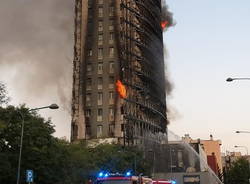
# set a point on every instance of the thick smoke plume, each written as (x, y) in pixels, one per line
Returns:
(168, 83)
(36, 42)
(167, 15)
(168, 20)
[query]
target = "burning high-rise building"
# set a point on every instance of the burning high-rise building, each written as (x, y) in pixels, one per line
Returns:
(118, 79)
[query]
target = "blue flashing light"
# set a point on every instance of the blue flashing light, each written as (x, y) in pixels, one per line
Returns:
(128, 173)
(100, 174)
(106, 175)
(173, 182)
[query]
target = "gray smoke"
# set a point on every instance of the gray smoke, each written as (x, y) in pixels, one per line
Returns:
(36, 40)
(168, 83)
(167, 15)
(172, 112)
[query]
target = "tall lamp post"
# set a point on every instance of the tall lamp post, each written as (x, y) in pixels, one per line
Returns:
(52, 106)
(242, 147)
(231, 80)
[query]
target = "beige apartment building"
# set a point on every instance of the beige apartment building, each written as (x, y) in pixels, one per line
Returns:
(211, 147)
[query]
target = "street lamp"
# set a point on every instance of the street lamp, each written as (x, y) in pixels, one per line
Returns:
(247, 132)
(52, 106)
(232, 79)
(242, 147)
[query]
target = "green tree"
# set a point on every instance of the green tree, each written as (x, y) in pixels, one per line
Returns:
(115, 158)
(4, 99)
(239, 173)
(41, 151)
(53, 160)
(87, 162)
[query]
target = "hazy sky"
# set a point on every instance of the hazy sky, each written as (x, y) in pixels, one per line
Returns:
(36, 48)
(209, 43)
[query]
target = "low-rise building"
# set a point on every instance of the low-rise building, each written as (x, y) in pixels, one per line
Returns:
(187, 163)
(212, 151)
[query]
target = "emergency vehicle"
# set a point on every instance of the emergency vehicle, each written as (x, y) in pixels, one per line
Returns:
(117, 178)
(127, 178)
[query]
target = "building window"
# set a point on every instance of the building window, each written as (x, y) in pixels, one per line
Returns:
(100, 53)
(89, 84)
(111, 11)
(88, 130)
(90, 14)
(111, 129)
(111, 52)
(111, 25)
(99, 115)
(111, 82)
(100, 26)
(111, 67)
(90, 36)
(90, 52)
(99, 83)
(180, 158)
(100, 1)
(100, 98)
(89, 69)
(88, 99)
(111, 114)
(88, 113)
(90, 3)
(100, 39)
(99, 131)
(75, 130)
(100, 12)
(111, 38)
(111, 98)
(100, 68)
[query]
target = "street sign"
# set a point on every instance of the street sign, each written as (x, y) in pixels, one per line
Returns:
(29, 176)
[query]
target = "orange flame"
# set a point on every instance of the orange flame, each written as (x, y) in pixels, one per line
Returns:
(164, 24)
(121, 89)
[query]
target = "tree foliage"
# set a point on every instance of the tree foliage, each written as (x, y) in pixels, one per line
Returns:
(53, 160)
(239, 173)
(4, 99)
(86, 162)
(39, 146)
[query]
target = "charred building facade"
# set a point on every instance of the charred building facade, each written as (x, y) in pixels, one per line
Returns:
(118, 77)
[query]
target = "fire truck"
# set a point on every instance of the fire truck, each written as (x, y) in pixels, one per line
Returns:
(117, 178)
(127, 178)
